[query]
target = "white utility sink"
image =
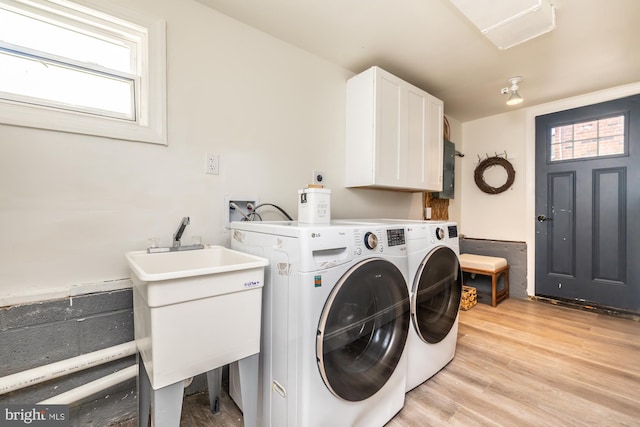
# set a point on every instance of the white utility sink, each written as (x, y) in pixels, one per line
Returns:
(173, 265)
(168, 271)
(195, 311)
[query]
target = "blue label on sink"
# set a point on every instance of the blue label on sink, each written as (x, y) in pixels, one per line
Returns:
(252, 284)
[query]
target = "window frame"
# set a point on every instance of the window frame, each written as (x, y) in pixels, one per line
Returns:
(625, 135)
(150, 109)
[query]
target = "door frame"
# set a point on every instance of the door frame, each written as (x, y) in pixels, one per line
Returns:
(530, 153)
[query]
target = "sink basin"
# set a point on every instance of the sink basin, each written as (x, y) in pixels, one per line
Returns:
(173, 265)
(195, 311)
(173, 277)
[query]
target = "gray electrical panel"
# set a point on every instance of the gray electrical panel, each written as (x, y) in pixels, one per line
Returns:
(448, 171)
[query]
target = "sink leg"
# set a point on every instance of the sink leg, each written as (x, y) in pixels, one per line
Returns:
(144, 394)
(166, 405)
(248, 370)
(214, 382)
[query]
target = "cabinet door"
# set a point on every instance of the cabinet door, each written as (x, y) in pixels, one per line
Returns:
(415, 158)
(434, 144)
(423, 161)
(389, 138)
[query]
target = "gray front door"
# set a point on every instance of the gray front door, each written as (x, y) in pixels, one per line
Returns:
(588, 204)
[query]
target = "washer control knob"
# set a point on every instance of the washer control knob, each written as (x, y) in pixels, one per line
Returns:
(440, 233)
(370, 240)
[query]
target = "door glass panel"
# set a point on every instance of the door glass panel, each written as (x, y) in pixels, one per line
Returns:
(363, 330)
(588, 139)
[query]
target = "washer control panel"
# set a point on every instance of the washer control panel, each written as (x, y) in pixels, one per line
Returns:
(370, 240)
(379, 240)
(395, 236)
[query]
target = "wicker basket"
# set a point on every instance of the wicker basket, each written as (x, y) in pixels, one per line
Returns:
(469, 297)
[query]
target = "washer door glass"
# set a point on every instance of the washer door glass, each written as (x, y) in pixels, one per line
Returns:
(436, 295)
(363, 329)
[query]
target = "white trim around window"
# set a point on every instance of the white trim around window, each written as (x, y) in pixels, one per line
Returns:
(148, 121)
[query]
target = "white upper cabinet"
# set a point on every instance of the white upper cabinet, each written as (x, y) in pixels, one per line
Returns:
(394, 134)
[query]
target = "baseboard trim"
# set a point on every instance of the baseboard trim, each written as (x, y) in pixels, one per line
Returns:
(588, 306)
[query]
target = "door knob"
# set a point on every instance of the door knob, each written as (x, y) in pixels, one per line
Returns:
(542, 218)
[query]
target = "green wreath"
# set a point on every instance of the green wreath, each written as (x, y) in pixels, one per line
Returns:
(487, 163)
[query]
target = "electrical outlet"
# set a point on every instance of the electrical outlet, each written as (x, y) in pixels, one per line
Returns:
(212, 166)
(238, 208)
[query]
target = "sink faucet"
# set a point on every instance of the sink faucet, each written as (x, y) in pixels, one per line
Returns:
(178, 234)
(177, 246)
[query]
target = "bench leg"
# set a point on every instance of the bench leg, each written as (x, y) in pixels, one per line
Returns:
(504, 293)
(494, 289)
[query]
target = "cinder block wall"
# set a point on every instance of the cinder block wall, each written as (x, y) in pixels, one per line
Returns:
(515, 254)
(37, 334)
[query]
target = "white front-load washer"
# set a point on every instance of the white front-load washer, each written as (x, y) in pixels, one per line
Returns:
(336, 316)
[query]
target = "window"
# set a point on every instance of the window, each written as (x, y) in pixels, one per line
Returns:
(95, 70)
(594, 138)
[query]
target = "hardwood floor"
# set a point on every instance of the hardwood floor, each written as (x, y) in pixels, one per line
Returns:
(523, 363)
(527, 363)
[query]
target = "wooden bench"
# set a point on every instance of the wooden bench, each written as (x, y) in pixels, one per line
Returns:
(488, 266)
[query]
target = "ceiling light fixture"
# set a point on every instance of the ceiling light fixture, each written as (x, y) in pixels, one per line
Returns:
(515, 97)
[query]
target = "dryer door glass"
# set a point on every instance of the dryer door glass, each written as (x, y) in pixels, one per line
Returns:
(436, 295)
(363, 329)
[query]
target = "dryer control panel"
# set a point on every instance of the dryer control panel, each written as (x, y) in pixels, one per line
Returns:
(443, 232)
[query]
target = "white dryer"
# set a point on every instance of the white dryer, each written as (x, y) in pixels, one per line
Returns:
(436, 288)
(336, 317)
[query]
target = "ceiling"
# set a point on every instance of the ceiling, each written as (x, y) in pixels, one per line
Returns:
(430, 44)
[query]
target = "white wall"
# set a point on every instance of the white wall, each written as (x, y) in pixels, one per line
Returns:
(494, 216)
(72, 205)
